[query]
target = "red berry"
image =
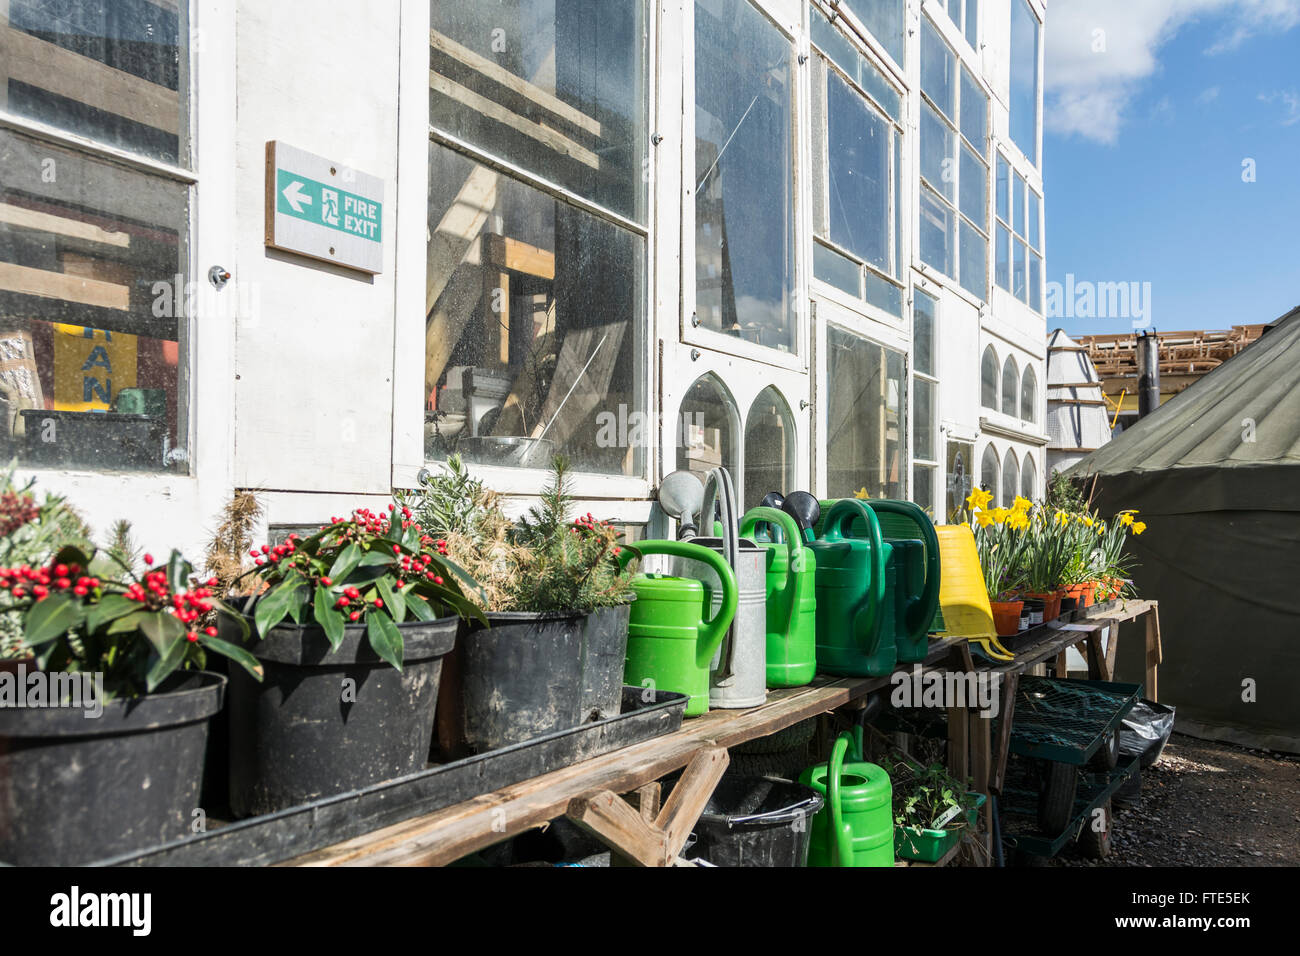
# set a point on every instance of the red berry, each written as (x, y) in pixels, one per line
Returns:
(354, 616)
(191, 637)
(148, 558)
(326, 581)
(210, 631)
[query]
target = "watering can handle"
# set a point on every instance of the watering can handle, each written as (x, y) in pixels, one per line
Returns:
(841, 833)
(844, 511)
(917, 621)
(718, 483)
(793, 545)
(711, 633)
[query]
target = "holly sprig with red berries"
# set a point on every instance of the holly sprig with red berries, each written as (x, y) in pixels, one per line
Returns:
(370, 569)
(137, 631)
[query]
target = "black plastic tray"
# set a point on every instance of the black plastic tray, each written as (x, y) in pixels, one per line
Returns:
(311, 826)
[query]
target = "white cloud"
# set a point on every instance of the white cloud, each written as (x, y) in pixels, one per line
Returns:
(1099, 52)
(1290, 100)
(1208, 95)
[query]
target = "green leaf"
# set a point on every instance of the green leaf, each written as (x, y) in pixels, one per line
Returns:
(393, 599)
(108, 609)
(385, 638)
(229, 613)
(328, 617)
(345, 563)
(178, 572)
(71, 554)
(163, 631)
(128, 623)
(234, 652)
(51, 618)
(376, 557)
(168, 662)
(273, 606)
(419, 607)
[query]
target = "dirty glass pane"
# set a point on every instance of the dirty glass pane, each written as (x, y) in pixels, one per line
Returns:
(938, 70)
(92, 294)
(557, 88)
(974, 188)
(858, 154)
(883, 294)
(1018, 204)
(974, 111)
(534, 309)
(923, 488)
(770, 448)
(866, 418)
(1024, 79)
(938, 153)
(989, 470)
(884, 20)
(974, 261)
(1029, 478)
(1032, 212)
(837, 270)
(1035, 282)
(989, 379)
(1010, 387)
(115, 71)
(923, 323)
(1010, 479)
(936, 237)
(923, 419)
(1029, 396)
(706, 428)
(1004, 190)
(972, 23)
(1018, 286)
(843, 54)
(744, 206)
(1003, 251)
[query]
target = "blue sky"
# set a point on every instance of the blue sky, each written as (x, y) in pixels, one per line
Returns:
(1148, 124)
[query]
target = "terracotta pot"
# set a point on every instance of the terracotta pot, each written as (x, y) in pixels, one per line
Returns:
(1051, 603)
(1006, 617)
(1090, 593)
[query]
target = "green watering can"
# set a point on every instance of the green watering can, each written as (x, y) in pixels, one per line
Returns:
(856, 826)
(912, 574)
(669, 641)
(851, 594)
(791, 599)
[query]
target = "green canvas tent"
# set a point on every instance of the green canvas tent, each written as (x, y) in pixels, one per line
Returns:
(1215, 474)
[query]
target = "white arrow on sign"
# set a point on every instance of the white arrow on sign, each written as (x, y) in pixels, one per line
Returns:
(296, 197)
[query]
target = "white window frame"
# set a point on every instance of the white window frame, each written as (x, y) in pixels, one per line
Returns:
(932, 378)
(1015, 203)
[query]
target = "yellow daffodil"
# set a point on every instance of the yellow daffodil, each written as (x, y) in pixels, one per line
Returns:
(1061, 519)
(861, 493)
(1021, 504)
(999, 515)
(1125, 518)
(1139, 527)
(978, 499)
(1018, 520)
(1101, 529)
(984, 518)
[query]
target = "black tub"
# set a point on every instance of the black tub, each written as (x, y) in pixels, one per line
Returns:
(757, 821)
(604, 658)
(74, 788)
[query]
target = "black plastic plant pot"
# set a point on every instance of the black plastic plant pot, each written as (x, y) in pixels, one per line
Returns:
(604, 658)
(520, 677)
(76, 788)
(327, 721)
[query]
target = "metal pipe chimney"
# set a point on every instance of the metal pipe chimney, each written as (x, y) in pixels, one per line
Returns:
(1148, 369)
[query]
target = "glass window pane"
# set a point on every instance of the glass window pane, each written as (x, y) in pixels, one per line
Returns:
(837, 270)
(1018, 201)
(974, 188)
(884, 19)
(1004, 190)
(1033, 214)
(558, 89)
(858, 148)
(1029, 478)
(866, 418)
(1018, 285)
(923, 488)
(923, 419)
(938, 69)
(707, 428)
(1036, 281)
(974, 262)
(1003, 253)
(954, 12)
(923, 323)
(974, 111)
(93, 300)
(770, 448)
(532, 341)
(1010, 479)
(1010, 387)
(938, 156)
(897, 208)
(936, 239)
(744, 210)
(883, 294)
(1029, 396)
(989, 379)
(843, 54)
(972, 23)
(989, 470)
(117, 72)
(1024, 79)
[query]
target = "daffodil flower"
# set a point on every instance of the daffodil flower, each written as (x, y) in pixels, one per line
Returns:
(1139, 527)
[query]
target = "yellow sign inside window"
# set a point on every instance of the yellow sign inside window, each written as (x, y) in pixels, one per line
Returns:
(90, 367)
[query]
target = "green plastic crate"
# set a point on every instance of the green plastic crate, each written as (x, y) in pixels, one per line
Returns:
(929, 846)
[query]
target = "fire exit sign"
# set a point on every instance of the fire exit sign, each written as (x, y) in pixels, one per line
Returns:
(323, 209)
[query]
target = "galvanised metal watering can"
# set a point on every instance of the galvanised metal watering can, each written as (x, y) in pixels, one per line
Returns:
(851, 594)
(791, 598)
(856, 826)
(670, 638)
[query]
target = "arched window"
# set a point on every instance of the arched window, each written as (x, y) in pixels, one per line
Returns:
(1029, 395)
(707, 427)
(989, 470)
(1029, 478)
(989, 379)
(1010, 479)
(769, 448)
(1010, 387)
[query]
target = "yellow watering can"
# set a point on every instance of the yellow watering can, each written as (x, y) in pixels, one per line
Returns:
(963, 598)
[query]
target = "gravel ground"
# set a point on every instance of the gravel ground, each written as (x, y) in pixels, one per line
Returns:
(1208, 804)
